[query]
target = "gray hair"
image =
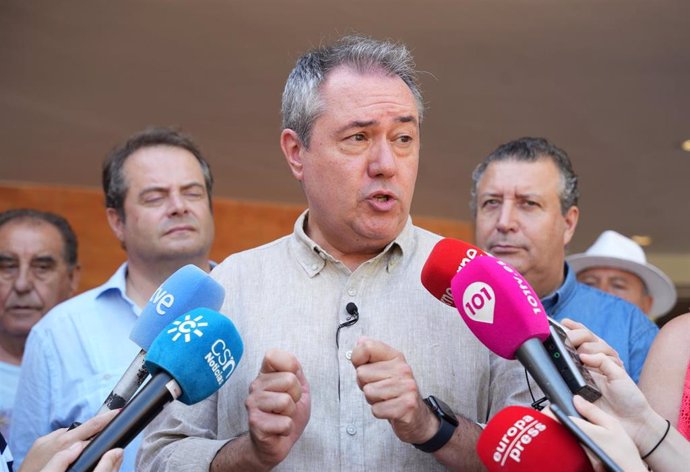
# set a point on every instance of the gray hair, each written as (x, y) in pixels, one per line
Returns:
(531, 150)
(114, 183)
(302, 103)
(69, 238)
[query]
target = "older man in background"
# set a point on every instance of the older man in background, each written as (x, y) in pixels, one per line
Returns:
(38, 270)
(524, 198)
(618, 265)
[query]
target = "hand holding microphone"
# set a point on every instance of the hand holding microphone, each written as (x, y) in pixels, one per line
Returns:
(621, 397)
(189, 361)
(110, 462)
(609, 434)
(586, 342)
(657, 442)
(56, 450)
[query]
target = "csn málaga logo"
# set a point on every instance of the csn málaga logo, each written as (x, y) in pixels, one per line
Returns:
(187, 327)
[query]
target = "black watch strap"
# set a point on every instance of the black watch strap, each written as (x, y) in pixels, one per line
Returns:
(448, 424)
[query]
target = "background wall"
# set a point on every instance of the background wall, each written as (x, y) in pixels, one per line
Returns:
(239, 224)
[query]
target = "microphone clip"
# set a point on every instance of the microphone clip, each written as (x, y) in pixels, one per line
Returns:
(352, 318)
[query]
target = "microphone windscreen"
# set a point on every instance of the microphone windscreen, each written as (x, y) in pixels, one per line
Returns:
(498, 305)
(519, 439)
(446, 258)
(188, 288)
(200, 350)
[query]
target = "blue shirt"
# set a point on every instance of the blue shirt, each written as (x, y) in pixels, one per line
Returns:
(73, 358)
(9, 373)
(620, 323)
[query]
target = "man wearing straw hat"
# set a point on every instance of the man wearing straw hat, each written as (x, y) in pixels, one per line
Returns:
(618, 265)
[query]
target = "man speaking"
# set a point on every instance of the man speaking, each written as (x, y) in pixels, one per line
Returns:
(349, 362)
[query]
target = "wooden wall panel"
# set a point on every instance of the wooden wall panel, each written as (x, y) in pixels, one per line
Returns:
(239, 224)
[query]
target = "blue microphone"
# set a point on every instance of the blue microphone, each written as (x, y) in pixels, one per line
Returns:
(190, 360)
(188, 288)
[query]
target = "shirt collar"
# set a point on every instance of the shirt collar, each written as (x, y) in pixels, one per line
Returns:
(118, 283)
(313, 257)
(562, 293)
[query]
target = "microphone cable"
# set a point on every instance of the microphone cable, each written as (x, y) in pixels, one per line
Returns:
(352, 318)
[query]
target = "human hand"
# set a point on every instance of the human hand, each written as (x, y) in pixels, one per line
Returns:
(278, 405)
(47, 447)
(389, 387)
(620, 396)
(110, 462)
(609, 435)
(586, 342)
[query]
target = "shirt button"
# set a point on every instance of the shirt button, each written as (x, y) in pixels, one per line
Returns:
(352, 292)
(348, 355)
(314, 266)
(351, 430)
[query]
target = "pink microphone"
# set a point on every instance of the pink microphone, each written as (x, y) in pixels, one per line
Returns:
(505, 314)
(499, 306)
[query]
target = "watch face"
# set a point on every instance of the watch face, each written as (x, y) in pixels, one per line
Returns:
(441, 409)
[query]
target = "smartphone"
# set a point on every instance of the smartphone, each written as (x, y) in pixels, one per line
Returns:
(567, 361)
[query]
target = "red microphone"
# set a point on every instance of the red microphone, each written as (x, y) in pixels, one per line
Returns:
(446, 259)
(519, 439)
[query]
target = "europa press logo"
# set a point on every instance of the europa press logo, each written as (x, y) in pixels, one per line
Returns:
(187, 327)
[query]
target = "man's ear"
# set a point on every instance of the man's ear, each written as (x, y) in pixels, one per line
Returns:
(292, 148)
(570, 218)
(117, 224)
(74, 278)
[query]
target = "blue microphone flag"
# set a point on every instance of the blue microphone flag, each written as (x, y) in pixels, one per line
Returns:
(188, 288)
(200, 350)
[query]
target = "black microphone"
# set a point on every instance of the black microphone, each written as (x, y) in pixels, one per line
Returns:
(353, 316)
(189, 361)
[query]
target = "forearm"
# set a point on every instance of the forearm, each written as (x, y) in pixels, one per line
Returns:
(460, 453)
(672, 454)
(238, 454)
(668, 454)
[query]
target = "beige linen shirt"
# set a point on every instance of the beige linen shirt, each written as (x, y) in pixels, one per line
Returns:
(291, 295)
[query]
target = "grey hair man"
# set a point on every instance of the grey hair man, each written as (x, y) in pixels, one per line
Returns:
(38, 270)
(524, 199)
(347, 356)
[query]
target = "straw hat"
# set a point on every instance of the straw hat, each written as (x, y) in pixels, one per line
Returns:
(614, 250)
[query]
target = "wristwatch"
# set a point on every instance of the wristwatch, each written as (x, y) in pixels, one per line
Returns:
(448, 424)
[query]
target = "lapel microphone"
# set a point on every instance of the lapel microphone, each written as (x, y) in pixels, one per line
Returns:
(353, 316)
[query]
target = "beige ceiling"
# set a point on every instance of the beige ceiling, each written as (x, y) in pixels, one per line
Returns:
(606, 80)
